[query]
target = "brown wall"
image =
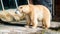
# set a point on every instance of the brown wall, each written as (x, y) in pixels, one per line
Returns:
(57, 10)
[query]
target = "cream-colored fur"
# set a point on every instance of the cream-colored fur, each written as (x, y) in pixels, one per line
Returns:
(35, 13)
(5, 16)
(15, 16)
(10, 15)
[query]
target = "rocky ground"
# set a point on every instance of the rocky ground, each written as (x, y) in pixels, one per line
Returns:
(18, 28)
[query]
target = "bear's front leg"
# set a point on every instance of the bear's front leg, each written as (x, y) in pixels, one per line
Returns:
(34, 21)
(28, 21)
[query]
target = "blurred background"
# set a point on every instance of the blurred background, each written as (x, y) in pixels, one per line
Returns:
(10, 4)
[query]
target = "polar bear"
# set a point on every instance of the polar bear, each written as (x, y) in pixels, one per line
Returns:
(35, 13)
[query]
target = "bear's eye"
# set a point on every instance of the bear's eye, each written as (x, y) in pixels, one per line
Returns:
(20, 7)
